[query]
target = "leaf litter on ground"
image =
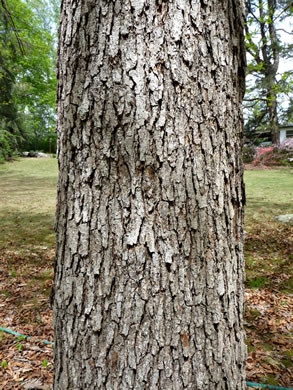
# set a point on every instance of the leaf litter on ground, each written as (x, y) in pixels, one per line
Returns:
(24, 308)
(269, 302)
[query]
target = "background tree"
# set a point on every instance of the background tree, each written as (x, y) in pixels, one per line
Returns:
(11, 129)
(287, 113)
(27, 74)
(267, 86)
(149, 270)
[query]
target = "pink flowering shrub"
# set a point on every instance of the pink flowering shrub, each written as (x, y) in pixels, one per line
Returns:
(275, 155)
(263, 155)
(287, 145)
(263, 150)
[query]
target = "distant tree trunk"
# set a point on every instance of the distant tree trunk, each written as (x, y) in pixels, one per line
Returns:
(266, 55)
(273, 117)
(149, 267)
(272, 69)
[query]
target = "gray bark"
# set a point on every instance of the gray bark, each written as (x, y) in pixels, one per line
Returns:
(149, 266)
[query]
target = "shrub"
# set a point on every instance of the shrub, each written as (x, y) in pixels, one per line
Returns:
(7, 144)
(287, 145)
(275, 155)
(248, 153)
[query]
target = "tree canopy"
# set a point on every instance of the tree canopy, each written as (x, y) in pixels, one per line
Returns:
(28, 40)
(27, 73)
(267, 21)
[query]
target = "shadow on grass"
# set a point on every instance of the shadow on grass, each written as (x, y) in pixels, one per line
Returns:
(13, 185)
(261, 207)
(23, 230)
(269, 256)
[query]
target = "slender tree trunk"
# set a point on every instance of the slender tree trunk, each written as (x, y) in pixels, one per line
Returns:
(149, 267)
(273, 118)
(273, 70)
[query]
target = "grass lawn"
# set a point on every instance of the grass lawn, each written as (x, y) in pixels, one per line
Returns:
(27, 241)
(27, 204)
(269, 193)
(269, 250)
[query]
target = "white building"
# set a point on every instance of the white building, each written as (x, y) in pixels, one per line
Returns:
(286, 132)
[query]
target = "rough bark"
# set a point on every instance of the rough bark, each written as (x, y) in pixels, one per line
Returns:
(149, 266)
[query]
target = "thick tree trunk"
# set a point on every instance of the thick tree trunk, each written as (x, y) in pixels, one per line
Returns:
(149, 268)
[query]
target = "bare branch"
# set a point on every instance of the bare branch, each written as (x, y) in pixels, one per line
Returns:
(252, 100)
(249, 8)
(287, 32)
(284, 10)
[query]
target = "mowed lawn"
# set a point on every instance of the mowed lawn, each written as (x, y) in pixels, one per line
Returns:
(269, 193)
(27, 242)
(27, 203)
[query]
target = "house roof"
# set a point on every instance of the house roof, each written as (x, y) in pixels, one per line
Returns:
(289, 126)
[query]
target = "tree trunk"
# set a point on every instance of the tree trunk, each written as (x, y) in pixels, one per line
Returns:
(273, 118)
(149, 266)
(266, 54)
(273, 67)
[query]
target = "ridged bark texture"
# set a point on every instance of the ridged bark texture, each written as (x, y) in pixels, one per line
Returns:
(149, 267)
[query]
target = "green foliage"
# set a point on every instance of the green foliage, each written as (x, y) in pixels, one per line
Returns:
(280, 155)
(13, 273)
(287, 113)
(27, 72)
(45, 363)
(248, 153)
(19, 345)
(6, 144)
(46, 143)
(258, 282)
(4, 364)
(266, 86)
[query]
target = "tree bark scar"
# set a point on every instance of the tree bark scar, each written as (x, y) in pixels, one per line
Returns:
(114, 360)
(185, 339)
(150, 172)
(52, 295)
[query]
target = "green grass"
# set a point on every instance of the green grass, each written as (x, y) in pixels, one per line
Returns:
(269, 244)
(27, 204)
(27, 237)
(269, 193)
